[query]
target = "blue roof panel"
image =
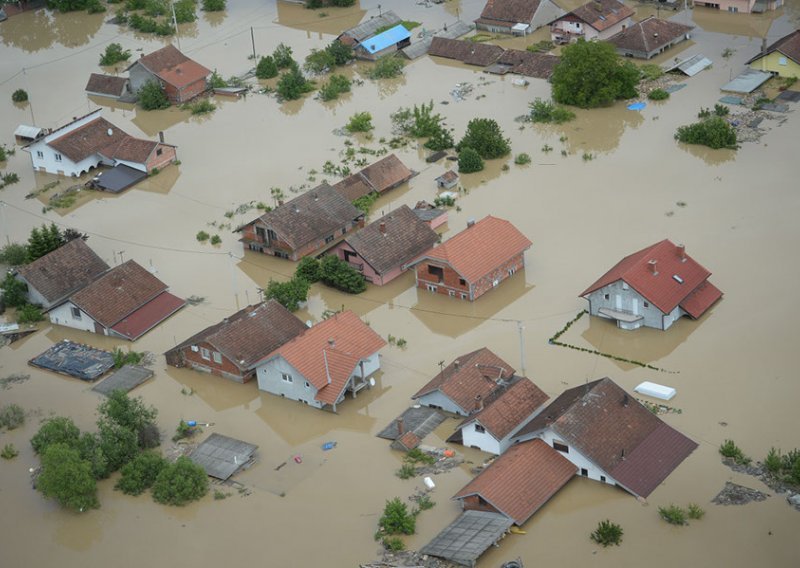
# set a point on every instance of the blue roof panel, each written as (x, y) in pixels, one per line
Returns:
(385, 39)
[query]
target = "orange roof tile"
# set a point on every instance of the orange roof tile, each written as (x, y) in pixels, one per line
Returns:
(508, 408)
(173, 67)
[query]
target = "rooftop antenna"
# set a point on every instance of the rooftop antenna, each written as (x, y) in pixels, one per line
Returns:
(175, 23)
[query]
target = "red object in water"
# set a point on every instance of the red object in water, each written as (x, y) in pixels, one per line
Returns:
(298, 459)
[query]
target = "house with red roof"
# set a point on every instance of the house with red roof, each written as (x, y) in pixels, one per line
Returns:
(653, 287)
(325, 362)
(516, 17)
(610, 437)
(233, 347)
(91, 141)
(597, 19)
(474, 261)
(181, 78)
(127, 301)
(462, 386)
(503, 414)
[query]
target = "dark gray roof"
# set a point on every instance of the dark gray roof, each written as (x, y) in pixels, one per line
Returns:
(421, 420)
(466, 538)
(76, 360)
(119, 177)
(126, 379)
(369, 28)
(221, 456)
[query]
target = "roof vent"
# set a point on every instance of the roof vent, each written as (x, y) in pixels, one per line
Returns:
(296, 209)
(456, 364)
(382, 227)
(677, 279)
(110, 132)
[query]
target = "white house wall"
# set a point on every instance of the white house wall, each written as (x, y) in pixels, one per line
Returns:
(371, 365)
(436, 399)
(135, 165)
(270, 379)
(66, 166)
(481, 440)
(62, 315)
(33, 295)
(546, 13)
(629, 300)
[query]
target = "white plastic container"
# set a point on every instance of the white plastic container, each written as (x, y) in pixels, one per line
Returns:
(655, 390)
(429, 483)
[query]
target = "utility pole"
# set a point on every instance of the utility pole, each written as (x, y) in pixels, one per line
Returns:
(520, 329)
(253, 40)
(3, 220)
(233, 280)
(175, 23)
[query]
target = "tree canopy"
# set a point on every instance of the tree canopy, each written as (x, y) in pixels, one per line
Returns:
(67, 478)
(180, 483)
(152, 97)
(485, 137)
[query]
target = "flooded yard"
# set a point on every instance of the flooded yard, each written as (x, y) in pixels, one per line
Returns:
(736, 212)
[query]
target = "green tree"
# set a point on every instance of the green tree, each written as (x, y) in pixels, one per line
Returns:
(396, 518)
(591, 74)
(485, 137)
(360, 122)
(19, 96)
(283, 56)
(140, 473)
(29, 314)
(88, 448)
(341, 52)
(469, 161)
(180, 483)
(184, 11)
(214, 5)
(293, 85)
(386, 67)
(67, 478)
(152, 96)
(129, 413)
(714, 132)
(307, 269)
(288, 294)
(337, 273)
(114, 54)
(56, 430)
(342, 3)
(118, 444)
(546, 111)
(440, 140)
(336, 85)
(43, 240)
(319, 61)
(14, 291)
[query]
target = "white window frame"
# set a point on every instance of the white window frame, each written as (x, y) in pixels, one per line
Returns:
(287, 378)
(217, 357)
(432, 288)
(76, 313)
(205, 354)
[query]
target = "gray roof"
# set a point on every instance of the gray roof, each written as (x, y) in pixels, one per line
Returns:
(221, 456)
(126, 379)
(369, 28)
(420, 48)
(118, 178)
(747, 81)
(421, 420)
(466, 538)
(691, 66)
(76, 360)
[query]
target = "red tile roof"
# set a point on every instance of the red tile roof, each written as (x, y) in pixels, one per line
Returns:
(63, 271)
(538, 65)
(615, 432)
(173, 67)
(481, 248)
(386, 173)
(521, 480)
(788, 45)
(472, 375)
(469, 52)
(508, 408)
(663, 289)
(118, 293)
(99, 136)
(407, 441)
(651, 34)
(509, 11)
(139, 322)
(602, 14)
(327, 353)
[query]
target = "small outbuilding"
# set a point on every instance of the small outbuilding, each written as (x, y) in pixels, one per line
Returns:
(448, 180)
(75, 360)
(384, 43)
(108, 86)
(221, 456)
(648, 38)
(781, 58)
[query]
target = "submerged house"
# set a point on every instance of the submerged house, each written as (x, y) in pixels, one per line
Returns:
(434, 216)
(597, 19)
(781, 58)
(474, 261)
(385, 174)
(740, 6)
(108, 86)
(468, 52)
(653, 288)
(648, 38)
(126, 302)
(180, 77)
(233, 347)
(462, 386)
(384, 43)
(610, 437)
(517, 17)
(357, 35)
(320, 366)
(91, 141)
(307, 225)
(383, 248)
(51, 279)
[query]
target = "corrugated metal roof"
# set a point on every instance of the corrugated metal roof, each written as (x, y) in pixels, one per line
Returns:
(385, 39)
(25, 131)
(692, 66)
(748, 81)
(466, 538)
(366, 29)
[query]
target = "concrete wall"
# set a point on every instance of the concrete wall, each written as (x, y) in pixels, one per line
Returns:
(270, 379)
(630, 301)
(777, 63)
(138, 76)
(592, 471)
(371, 365)
(484, 441)
(436, 399)
(62, 315)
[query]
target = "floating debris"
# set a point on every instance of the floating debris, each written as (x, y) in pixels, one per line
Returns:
(734, 494)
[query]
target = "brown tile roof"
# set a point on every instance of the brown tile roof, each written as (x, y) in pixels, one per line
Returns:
(448, 176)
(510, 11)
(353, 186)
(507, 408)
(250, 334)
(327, 353)
(479, 249)
(663, 289)
(788, 45)
(118, 293)
(651, 34)
(521, 480)
(616, 432)
(386, 173)
(312, 216)
(393, 240)
(602, 14)
(173, 67)
(134, 150)
(473, 375)
(93, 138)
(106, 84)
(469, 52)
(145, 318)
(63, 271)
(537, 65)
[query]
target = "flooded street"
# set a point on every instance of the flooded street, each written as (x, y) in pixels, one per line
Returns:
(736, 212)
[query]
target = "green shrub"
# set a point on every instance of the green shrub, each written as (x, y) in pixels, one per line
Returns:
(396, 519)
(338, 274)
(12, 416)
(541, 46)
(118, 444)
(416, 455)
(729, 449)
(336, 85)
(140, 473)
(440, 140)
(19, 96)
(549, 112)
(607, 533)
(650, 71)
(522, 159)
(341, 52)
(56, 430)
(266, 68)
(200, 106)
(67, 478)
(308, 269)
(406, 471)
(14, 291)
(216, 239)
(283, 56)
(658, 95)
(713, 132)
(95, 7)
(152, 97)
(386, 67)
(360, 122)
(29, 313)
(202, 236)
(292, 85)
(319, 61)
(214, 5)
(184, 11)
(695, 512)
(485, 137)
(469, 161)
(773, 461)
(132, 414)
(9, 452)
(393, 543)
(180, 483)
(114, 54)
(673, 514)
(365, 202)
(122, 358)
(444, 201)
(289, 294)
(425, 503)
(183, 431)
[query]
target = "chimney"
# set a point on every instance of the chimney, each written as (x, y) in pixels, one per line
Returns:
(623, 454)
(316, 197)
(296, 209)
(625, 400)
(470, 223)
(652, 266)
(383, 228)
(655, 34)
(331, 342)
(161, 136)
(401, 427)
(478, 403)
(456, 364)
(681, 252)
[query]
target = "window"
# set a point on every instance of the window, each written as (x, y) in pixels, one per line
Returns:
(782, 61)
(308, 385)
(349, 255)
(159, 152)
(603, 478)
(261, 234)
(479, 428)
(328, 239)
(287, 378)
(511, 271)
(205, 353)
(432, 288)
(39, 154)
(58, 157)
(281, 254)
(76, 313)
(462, 281)
(463, 296)
(606, 296)
(217, 357)
(436, 271)
(271, 235)
(584, 472)
(561, 447)
(624, 285)
(482, 501)
(646, 305)
(452, 293)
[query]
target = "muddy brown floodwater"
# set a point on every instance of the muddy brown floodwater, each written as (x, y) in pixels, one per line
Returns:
(735, 370)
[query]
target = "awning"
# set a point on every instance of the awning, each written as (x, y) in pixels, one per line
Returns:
(28, 132)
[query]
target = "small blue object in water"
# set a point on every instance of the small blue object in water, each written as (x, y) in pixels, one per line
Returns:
(637, 106)
(328, 446)
(191, 423)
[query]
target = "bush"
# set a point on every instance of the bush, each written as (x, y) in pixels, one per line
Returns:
(337, 273)
(283, 56)
(650, 71)
(201, 106)
(214, 5)
(607, 533)
(335, 86)
(67, 478)
(308, 269)
(713, 132)
(289, 294)
(114, 54)
(393, 543)
(546, 111)
(425, 503)
(365, 202)
(57, 430)
(658, 95)
(416, 455)
(695, 512)
(130, 413)
(152, 97)
(773, 461)
(183, 431)
(522, 159)
(29, 313)
(341, 53)
(396, 519)
(386, 67)
(12, 416)
(9, 452)
(184, 11)
(202, 236)
(180, 483)
(95, 7)
(729, 449)
(485, 137)
(14, 254)
(293, 85)
(14, 291)
(266, 68)
(19, 96)
(440, 140)
(140, 473)
(360, 122)
(406, 471)
(673, 514)
(319, 61)
(122, 358)
(216, 239)
(469, 161)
